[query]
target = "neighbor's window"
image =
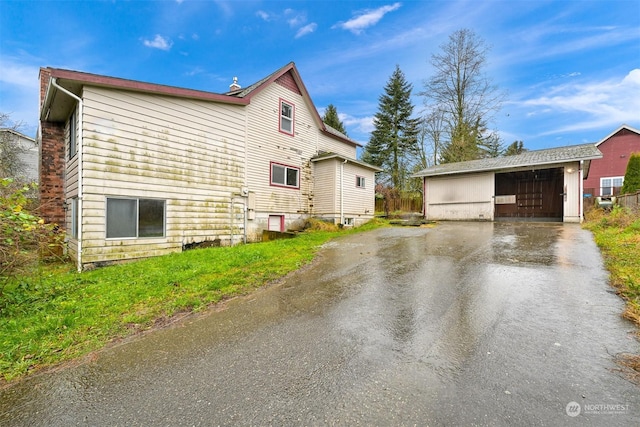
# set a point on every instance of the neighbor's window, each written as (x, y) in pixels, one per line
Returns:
(130, 218)
(72, 135)
(360, 181)
(286, 117)
(610, 186)
(285, 176)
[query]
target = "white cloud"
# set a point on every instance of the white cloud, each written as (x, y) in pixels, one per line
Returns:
(19, 92)
(307, 29)
(159, 42)
(366, 19)
(263, 15)
(362, 125)
(593, 105)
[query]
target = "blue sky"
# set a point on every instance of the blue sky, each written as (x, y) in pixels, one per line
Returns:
(570, 69)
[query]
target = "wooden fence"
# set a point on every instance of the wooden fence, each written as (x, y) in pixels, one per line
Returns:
(406, 205)
(631, 201)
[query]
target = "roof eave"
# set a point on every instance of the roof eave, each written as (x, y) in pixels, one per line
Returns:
(506, 167)
(87, 79)
(347, 159)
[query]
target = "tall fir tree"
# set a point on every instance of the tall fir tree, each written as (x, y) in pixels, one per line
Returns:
(394, 141)
(332, 119)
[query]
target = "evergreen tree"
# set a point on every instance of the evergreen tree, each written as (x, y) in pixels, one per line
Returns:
(631, 182)
(394, 141)
(516, 147)
(332, 119)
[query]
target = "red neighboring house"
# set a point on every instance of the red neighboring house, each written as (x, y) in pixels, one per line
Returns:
(607, 174)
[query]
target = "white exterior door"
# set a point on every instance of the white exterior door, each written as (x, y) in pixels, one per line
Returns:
(276, 223)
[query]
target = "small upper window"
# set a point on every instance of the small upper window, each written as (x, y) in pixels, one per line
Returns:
(286, 117)
(360, 181)
(285, 176)
(72, 135)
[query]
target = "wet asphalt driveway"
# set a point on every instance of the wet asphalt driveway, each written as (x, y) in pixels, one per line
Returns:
(461, 324)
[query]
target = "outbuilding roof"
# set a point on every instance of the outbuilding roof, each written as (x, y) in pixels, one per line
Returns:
(533, 158)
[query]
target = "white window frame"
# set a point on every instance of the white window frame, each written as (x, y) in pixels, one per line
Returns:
(609, 188)
(286, 171)
(285, 118)
(348, 222)
(136, 234)
(360, 181)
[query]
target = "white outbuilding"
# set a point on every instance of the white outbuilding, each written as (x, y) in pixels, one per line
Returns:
(540, 185)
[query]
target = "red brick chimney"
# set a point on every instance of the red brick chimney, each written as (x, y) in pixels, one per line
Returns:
(51, 162)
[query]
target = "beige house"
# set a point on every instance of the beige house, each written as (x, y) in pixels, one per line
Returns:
(134, 169)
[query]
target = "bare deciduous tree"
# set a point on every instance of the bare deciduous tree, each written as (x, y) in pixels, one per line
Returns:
(11, 162)
(465, 96)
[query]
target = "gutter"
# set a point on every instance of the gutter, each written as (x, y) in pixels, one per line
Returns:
(80, 169)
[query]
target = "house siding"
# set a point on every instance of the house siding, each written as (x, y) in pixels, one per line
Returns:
(464, 197)
(326, 189)
(189, 153)
(266, 144)
(357, 203)
(332, 145)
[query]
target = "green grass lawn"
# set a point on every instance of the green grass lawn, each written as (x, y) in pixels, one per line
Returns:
(57, 314)
(617, 234)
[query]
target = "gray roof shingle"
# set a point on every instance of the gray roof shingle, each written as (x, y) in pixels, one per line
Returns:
(547, 156)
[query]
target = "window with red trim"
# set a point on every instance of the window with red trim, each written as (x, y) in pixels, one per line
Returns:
(285, 176)
(287, 111)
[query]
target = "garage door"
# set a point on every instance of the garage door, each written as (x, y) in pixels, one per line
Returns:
(534, 194)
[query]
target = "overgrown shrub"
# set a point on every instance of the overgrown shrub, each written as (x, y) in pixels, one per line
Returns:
(25, 238)
(631, 182)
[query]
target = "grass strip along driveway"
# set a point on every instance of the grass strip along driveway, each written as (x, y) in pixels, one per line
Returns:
(58, 314)
(617, 234)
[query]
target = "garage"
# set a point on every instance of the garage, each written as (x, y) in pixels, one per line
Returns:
(536, 194)
(539, 185)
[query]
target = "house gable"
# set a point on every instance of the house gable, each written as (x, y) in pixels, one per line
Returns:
(616, 149)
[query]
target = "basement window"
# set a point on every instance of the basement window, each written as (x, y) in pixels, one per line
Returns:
(286, 117)
(135, 218)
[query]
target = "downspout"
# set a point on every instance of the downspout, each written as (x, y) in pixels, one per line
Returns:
(342, 191)
(80, 170)
(581, 195)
